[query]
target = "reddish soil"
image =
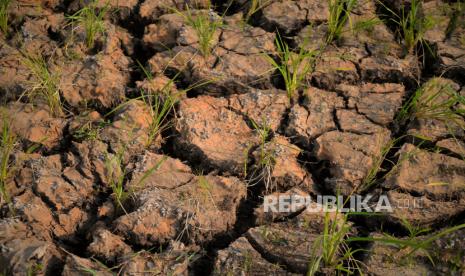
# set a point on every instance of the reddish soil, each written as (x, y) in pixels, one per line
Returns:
(193, 199)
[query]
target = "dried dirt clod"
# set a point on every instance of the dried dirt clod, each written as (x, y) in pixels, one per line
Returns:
(337, 66)
(241, 258)
(378, 102)
(18, 10)
(14, 75)
(264, 107)
(64, 187)
(291, 16)
(236, 63)
(168, 173)
(158, 85)
(440, 13)
(212, 135)
(22, 252)
(387, 68)
(446, 37)
(386, 259)
(117, 10)
(76, 266)
(249, 41)
(427, 173)
(151, 11)
(350, 156)
(376, 38)
(314, 117)
(420, 210)
(453, 144)
(172, 203)
(271, 215)
(129, 132)
(35, 124)
(108, 246)
(291, 243)
(101, 78)
(35, 35)
(278, 166)
(351, 121)
(36, 213)
(172, 261)
(195, 212)
(164, 34)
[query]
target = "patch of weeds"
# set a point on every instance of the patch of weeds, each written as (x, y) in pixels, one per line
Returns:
(160, 107)
(89, 131)
(412, 24)
(339, 14)
(35, 269)
(205, 25)
(45, 86)
(255, 6)
(371, 178)
(4, 15)
(162, 103)
(414, 243)
(91, 18)
(116, 175)
(436, 101)
(7, 144)
(266, 158)
(101, 266)
(206, 189)
(293, 67)
(331, 250)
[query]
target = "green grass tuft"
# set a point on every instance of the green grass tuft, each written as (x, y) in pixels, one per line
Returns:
(293, 67)
(45, 84)
(116, 175)
(4, 15)
(7, 144)
(436, 101)
(254, 7)
(334, 251)
(339, 14)
(412, 24)
(414, 242)
(91, 18)
(205, 25)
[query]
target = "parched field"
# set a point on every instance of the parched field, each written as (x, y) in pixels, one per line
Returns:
(148, 137)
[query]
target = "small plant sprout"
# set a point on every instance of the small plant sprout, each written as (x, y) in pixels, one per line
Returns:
(205, 24)
(415, 242)
(435, 100)
(7, 143)
(116, 177)
(412, 24)
(371, 178)
(293, 67)
(4, 15)
(266, 157)
(91, 18)
(331, 250)
(45, 84)
(339, 14)
(253, 7)
(161, 104)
